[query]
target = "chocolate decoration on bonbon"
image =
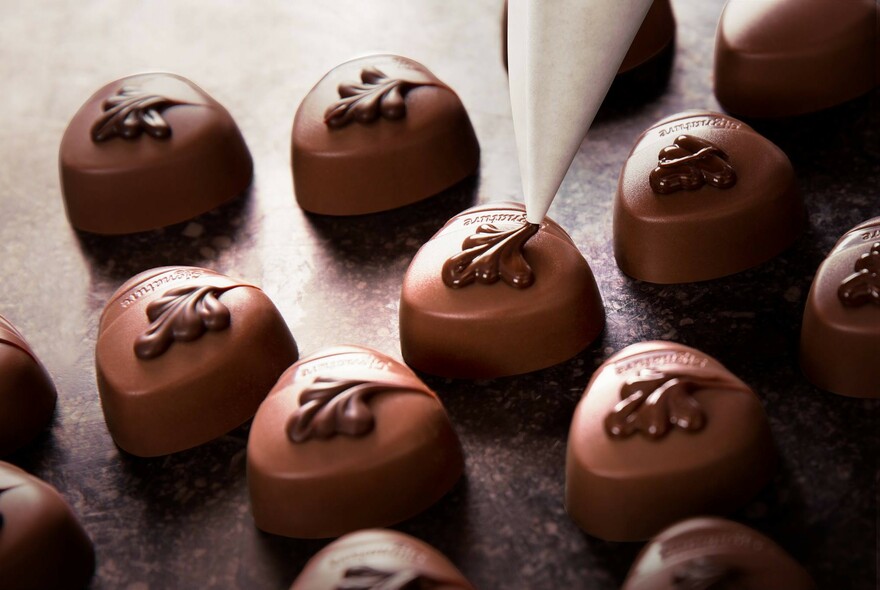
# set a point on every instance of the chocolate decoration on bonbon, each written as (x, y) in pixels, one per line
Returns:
(27, 394)
(714, 554)
(230, 344)
(42, 544)
(379, 559)
(377, 95)
(115, 182)
(130, 112)
(491, 254)
(780, 58)
(628, 488)
(702, 234)
(863, 286)
(328, 484)
(654, 401)
(689, 164)
(400, 137)
(183, 315)
(841, 327)
(492, 330)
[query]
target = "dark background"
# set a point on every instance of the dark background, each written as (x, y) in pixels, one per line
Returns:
(183, 521)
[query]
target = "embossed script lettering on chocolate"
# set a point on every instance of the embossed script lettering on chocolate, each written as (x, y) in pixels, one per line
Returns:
(130, 112)
(690, 163)
(377, 95)
(491, 254)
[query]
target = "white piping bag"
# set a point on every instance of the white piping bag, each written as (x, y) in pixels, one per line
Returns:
(563, 56)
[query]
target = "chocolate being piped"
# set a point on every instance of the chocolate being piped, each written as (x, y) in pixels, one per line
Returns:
(863, 286)
(689, 163)
(491, 254)
(377, 95)
(130, 112)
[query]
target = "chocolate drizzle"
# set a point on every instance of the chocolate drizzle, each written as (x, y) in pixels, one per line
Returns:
(705, 573)
(331, 406)
(489, 254)
(863, 286)
(653, 402)
(182, 315)
(689, 163)
(367, 578)
(377, 95)
(130, 112)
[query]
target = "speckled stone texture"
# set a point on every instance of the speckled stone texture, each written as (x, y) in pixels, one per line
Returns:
(183, 521)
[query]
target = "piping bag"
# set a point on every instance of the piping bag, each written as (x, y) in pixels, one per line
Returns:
(563, 56)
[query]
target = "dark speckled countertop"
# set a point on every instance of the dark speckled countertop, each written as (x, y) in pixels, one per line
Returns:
(182, 521)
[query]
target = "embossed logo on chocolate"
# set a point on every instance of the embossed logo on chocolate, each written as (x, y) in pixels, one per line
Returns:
(182, 314)
(490, 254)
(654, 359)
(863, 286)
(715, 121)
(705, 573)
(130, 112)
(690, 163)
(154, 283)
(377, 95)
(653, 402)
(365, 577)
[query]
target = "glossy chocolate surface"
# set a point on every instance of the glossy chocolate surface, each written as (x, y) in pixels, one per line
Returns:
(348, 438)
(778, 58)
(715, 554)
(42, 545)
(376, 133)
(701, 196)
(147, 151)
(663, 432)
(27, 394)
(378, 559)
(490, 330)
(840, 336)
(184, 355)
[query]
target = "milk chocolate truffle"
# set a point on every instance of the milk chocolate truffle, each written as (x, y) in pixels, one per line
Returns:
(379, 560)
(701, 196)
(376, 133)
(778, 58)
(491, 294)
(348, 438)
(147, 151)
(185, 355)
(663, 432)
(42, 545)
(715, 554)
(840, 338)
(27, 394)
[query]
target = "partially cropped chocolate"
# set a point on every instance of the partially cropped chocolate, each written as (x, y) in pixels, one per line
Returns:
(378, 559)
(42, 544)
(27, 394)
(778, 58)
(376, 133)
(348, 438)
(147, 151)
(841, 329)
(663, 432)
(702, 196)
(715, 554)
(491, 294)
(184, 355)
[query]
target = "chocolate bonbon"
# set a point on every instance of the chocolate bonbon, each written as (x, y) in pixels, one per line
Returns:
(779, 58)
(27, 394)
(348, 438)
(841, 328)
(663, 432)
(147, 151)
(714, 554)
(42, 544)
(184, 355)
(376, 133)
(701, 196)
(533, 302)
(379, 559)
